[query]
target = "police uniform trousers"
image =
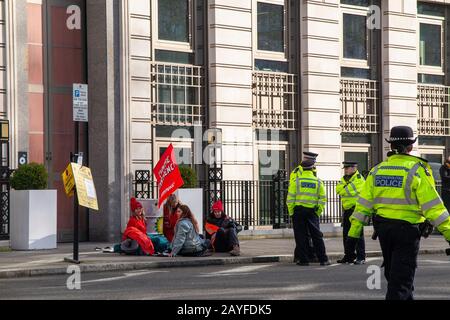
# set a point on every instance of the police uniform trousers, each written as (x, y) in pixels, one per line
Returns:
(306, 220)
(399, 241)
(361, 244)
(445, 195)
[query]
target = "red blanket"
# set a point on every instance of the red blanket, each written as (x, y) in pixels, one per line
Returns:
(137, 230)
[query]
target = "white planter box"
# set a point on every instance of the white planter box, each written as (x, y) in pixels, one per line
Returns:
(193, 198)
(33, 219)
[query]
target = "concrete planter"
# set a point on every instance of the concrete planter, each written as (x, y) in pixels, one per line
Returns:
(33, 219)
(193, 198)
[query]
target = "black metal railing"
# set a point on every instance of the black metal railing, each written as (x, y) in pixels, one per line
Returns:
(251, 203)
(5, 174)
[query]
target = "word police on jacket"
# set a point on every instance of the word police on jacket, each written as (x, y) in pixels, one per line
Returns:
(389, 181)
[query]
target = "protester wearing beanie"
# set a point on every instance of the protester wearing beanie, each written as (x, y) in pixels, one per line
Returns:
(137, 228)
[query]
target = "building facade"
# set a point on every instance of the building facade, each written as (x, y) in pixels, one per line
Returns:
(274, 77)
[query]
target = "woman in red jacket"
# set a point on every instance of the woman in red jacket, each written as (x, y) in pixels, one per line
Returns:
(137, 228)
(170, 217)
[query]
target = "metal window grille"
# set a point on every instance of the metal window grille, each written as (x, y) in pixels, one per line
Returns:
(178, 94)
(274, 100)
(359, 106)
(433, 103)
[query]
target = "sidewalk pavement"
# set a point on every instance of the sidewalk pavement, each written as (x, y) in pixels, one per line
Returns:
(39, 263)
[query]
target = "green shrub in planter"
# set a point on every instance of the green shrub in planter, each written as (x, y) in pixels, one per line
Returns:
(31, 176)
(189, 177)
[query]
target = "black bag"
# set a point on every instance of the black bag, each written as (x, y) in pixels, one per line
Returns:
(130, 247)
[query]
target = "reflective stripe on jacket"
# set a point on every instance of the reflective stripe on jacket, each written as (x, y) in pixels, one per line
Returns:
(400, 188)
(306, 190)
(349, 190)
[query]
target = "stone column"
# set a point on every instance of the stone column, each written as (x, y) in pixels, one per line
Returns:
(15, 75)
(103, 38)
(230, 83)
(399, 56)
(320, 86)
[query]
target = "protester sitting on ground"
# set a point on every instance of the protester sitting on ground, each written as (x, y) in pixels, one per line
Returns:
(223, 231)
(170, 216)
(187, 241)
(135, 239)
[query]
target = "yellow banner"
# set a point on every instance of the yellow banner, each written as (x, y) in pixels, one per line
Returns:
(69, 181)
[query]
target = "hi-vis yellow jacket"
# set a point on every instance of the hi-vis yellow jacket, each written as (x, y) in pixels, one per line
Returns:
(306, 190)
(349, 190)
(400, 188)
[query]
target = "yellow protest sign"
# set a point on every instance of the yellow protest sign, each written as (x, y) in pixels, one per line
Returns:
(87, 195)
(69, 181)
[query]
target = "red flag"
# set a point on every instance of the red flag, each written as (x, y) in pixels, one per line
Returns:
(167, 175)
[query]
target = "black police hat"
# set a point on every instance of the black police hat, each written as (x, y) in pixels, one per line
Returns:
(402, 135)
(308, 164)
(310, 156)
(350, 164)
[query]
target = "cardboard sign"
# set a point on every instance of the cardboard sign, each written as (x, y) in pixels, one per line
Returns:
(167, 175)
(76, 176)
(69, 181)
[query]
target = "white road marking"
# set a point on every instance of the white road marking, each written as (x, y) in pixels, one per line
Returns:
(125, 276)
(435, 261)
(373, 259)
(297, 288)
(246, 270)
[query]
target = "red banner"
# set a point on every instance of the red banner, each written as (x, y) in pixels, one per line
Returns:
(167, 175)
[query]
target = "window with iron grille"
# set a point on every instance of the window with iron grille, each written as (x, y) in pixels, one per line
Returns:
(177, 94)
(359, 106)
(434, 104)
(274, 100)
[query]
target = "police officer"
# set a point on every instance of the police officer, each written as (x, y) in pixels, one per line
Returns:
(348, 189)
(298, 171)
(401, 195)
(306, 201)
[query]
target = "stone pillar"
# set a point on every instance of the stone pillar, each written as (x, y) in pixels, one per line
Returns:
(15, 77)
(320, 86)
(399, 56)
(103, 39)
(136, 115)
(230, 83)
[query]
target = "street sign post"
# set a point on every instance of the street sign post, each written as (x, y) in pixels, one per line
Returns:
(80, 107)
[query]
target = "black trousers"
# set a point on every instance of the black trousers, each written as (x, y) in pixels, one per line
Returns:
(226, 239)
(445, 194)
(399, 243)
(306, 220)
(361, 244)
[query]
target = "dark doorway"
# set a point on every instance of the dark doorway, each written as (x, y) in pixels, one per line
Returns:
(65, 64)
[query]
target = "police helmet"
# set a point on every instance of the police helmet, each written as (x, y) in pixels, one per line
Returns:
(310, 156)
(402, 135)
(350, 164)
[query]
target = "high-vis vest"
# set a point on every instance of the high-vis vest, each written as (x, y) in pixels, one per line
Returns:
(349, 191)
(400, 188)
(306, 190)
(297, 171)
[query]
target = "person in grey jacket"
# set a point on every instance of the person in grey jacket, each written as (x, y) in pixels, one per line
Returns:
(187, 241)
